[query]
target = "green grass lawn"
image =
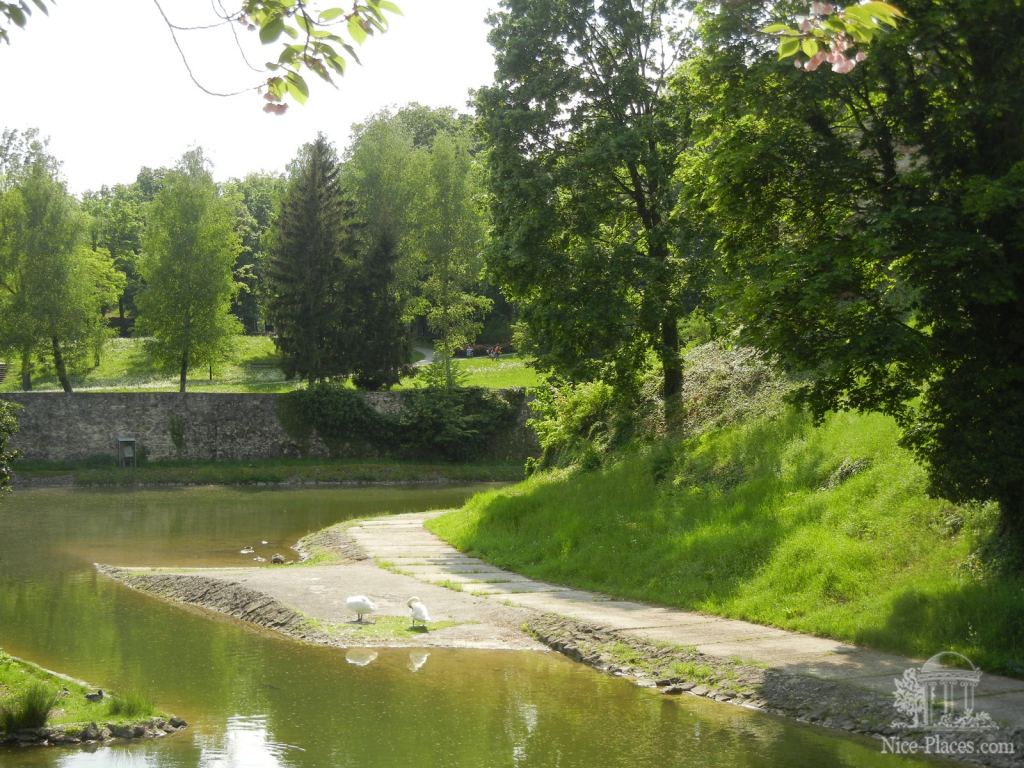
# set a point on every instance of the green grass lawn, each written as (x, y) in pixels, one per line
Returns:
(254, 366)
(823, 530)
(506, 372)
(18, 677)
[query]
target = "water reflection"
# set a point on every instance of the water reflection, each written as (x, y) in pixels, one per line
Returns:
(361, 657)
(257, 700)
(416, 660)
(246, 742)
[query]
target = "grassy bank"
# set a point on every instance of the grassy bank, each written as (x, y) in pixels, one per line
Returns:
(31, 697)
(825, 530)
(253, 365)
(271, 471)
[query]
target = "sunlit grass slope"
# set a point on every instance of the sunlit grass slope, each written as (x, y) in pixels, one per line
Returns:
(825, 530)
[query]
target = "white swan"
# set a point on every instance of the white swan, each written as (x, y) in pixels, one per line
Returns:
(418, 611)
(361, 605)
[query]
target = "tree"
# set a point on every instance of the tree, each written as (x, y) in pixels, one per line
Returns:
(117, 223)
(583, 142)
(189, 248)
(55, 287)
(19, 151)
(448, 235)
(385, 172)
(870, 228)
(380, 356)
(259, 197)
(312, 259)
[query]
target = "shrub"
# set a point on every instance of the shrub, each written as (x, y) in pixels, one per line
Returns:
(456, 424)
(433, 422)
(8, 426)
(724, 384)
(29, 709)
(339, 415)
(130, 704)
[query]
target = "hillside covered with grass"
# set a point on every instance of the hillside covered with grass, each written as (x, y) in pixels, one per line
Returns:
(765, 516)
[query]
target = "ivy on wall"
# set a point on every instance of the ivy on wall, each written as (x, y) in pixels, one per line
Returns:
(431, 423)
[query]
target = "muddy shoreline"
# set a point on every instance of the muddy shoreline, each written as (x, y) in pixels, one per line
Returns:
(667, 670)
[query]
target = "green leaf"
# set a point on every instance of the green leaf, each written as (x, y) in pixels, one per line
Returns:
(41, 6)
(772, 29)
(788, 47)
(297, 88)
(809, 46)
(272, 30)
(16, 15)
(355, 29)
(331, 14)
(390, 7)
(883, 10)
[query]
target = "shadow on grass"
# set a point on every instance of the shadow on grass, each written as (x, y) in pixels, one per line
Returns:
(983, 621)
(694, 537)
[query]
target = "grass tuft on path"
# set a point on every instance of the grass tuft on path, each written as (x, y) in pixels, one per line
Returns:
(378, 629)
(826, 530)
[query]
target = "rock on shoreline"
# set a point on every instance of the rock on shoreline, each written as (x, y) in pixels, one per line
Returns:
(91, 733)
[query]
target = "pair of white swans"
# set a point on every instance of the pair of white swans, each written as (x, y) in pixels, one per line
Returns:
(361, 605)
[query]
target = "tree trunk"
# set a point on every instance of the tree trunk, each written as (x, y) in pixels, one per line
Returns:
(58, 363)
(184, 371)
(671, 365)
(26, 370)
(1011, 524)
(123, 329)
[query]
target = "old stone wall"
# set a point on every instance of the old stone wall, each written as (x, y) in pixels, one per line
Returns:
(197, 426)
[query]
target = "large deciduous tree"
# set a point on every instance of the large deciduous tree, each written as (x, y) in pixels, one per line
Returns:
(872, 227)
(189, 248)
(583, 144)
(448, 237)
(259, 197)
(117, 223)
(54, 288)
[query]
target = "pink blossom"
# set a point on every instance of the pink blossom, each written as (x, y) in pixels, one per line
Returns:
(815, 61)
(822, 9)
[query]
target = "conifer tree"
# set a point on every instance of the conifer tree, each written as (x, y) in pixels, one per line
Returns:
(381, 355)
(311, 266)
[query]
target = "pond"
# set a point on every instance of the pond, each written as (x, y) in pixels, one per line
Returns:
(255, 700)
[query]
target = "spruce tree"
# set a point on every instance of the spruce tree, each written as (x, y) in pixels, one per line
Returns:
(381, 354)
(311, 266)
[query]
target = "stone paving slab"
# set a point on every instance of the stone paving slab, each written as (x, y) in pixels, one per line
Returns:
(403, 540)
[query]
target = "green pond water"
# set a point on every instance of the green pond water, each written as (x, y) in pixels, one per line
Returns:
(255, 700)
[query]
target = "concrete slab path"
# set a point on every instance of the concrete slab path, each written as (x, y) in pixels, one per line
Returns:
(404, 544)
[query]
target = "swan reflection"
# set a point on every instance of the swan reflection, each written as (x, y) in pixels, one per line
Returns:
(416, 660)
(360, 657)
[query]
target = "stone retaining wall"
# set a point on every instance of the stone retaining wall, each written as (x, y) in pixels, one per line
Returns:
(210, 427)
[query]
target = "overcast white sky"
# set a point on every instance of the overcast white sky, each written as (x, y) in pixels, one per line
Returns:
(103, 79)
